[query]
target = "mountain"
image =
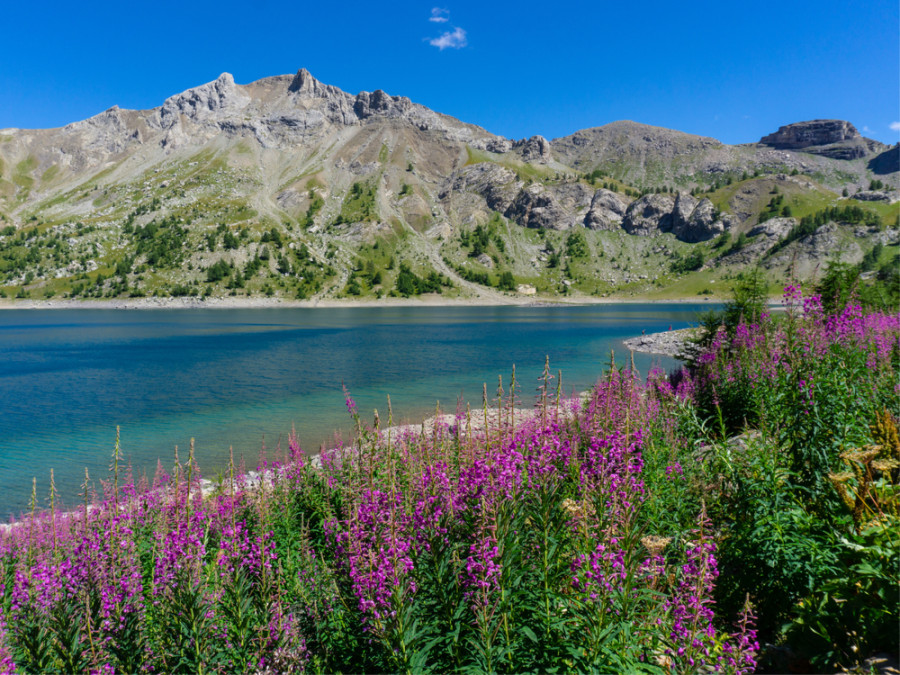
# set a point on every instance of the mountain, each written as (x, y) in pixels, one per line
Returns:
(292, 188)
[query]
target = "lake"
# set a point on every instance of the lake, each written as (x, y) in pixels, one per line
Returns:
(243, 377)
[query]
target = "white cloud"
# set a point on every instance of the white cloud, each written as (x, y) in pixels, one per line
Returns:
(455, 39)
(895, 126)
(439, 15)
(866, 129)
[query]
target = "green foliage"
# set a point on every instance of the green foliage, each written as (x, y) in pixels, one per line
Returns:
(690, 263)
(474, 276)
(161, 242)
(851, 214)
(805, 501)
(478, 239)
(843, 282)
(273, 236)
(871, 258)
(774, 208)
(853, 611)
(774, 547)
(409, 284)
(738, 243)
(315, 205)
(218, 271)
(359, 204)
(576, 245)
(748, 300)
(506, 282)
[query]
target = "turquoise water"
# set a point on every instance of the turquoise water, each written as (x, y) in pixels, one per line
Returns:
(243, 377)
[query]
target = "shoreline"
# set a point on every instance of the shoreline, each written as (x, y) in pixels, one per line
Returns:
(332, 303)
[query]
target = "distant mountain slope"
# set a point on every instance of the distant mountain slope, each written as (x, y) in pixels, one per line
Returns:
(289, 187)
(653, 156)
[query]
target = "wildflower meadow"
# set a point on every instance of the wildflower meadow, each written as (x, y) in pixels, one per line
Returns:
(717, 519)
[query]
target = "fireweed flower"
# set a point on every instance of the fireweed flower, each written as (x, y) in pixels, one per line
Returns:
(739, 654)
(181, 552)
(691, 610)
(375, 552)
(238, 550)
(601, 572)
(483, 569)
(7, 665)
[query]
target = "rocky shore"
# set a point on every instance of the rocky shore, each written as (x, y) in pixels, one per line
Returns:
(667, 343)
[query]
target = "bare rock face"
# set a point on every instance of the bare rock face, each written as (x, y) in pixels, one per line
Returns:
(108, 133)
(763, 237)
(557, 209)
(649, 214)
(805, 134)
(535, 149)
(825, 242)
(607, 210)
(498, 185)
(305, 85)
(886, 162)
(379, 103)
(689, 220)
(211, 101)
(774, 228)
(499, 145)
(835, 139)
(681, 213)
(703, 224)
(807, 254)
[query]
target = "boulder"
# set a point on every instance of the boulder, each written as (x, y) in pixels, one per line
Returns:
(877, 196)
(681, 213)
(485, 260)
(606, 211)
(703, 224)
(649, 214)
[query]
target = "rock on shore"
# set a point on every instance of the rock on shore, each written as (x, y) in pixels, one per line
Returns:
(667, 343)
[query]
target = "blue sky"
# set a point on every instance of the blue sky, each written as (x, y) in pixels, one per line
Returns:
(734, 71)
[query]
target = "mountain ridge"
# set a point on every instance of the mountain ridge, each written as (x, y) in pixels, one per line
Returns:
(318, 169)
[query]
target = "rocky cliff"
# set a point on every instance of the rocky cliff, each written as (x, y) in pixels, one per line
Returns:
(831, 138)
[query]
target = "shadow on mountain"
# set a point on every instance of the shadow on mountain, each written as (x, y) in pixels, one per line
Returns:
(887, 162)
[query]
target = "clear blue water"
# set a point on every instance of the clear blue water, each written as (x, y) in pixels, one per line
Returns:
(243, 377)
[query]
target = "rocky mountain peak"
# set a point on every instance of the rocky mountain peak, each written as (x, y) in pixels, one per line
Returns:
(807, 134)
(219, 97)
(308, 86)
